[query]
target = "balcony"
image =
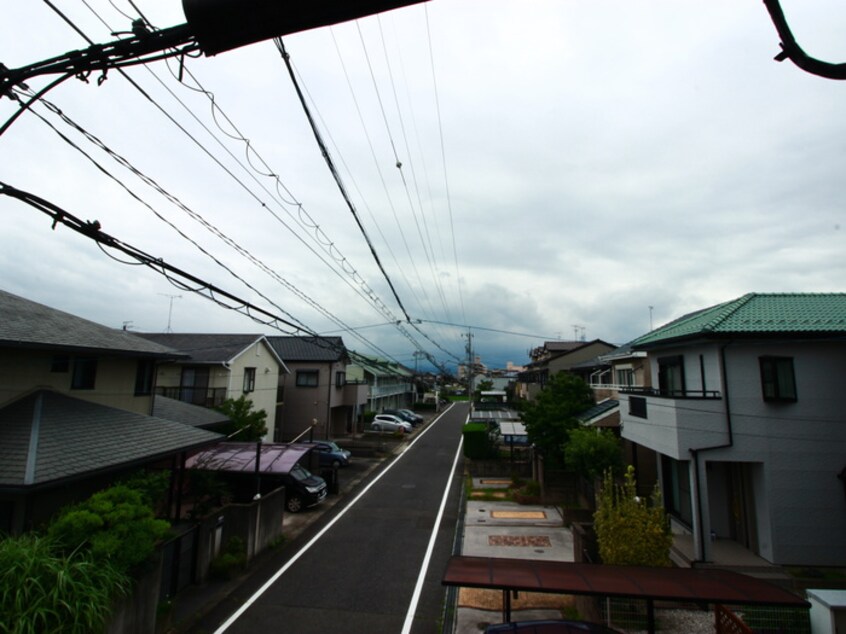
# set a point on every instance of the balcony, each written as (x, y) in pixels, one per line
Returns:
(203, 396)
(672, 423)
(355, 393)
(677, 394)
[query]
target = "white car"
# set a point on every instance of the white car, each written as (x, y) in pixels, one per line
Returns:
(389, 422)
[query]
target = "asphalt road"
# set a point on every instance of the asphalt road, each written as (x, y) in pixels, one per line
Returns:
(361, 573)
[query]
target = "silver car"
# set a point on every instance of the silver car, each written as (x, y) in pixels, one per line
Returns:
(389, 422)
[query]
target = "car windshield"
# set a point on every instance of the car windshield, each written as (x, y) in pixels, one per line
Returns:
(298, 472)
(332, 446)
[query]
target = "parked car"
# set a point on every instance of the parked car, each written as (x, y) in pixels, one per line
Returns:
(549, 627)
(331, 455)
(417, 417)
(389, 422)
(303, 489)
(405, 414)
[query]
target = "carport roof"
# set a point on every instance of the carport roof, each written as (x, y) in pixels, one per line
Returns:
(671, 584)
(274, 458)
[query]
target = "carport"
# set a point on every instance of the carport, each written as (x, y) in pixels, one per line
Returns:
(698, 585)
(259, 458)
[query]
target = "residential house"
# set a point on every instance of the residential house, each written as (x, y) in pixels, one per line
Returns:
(216, 367)
(319, 400)
(76, 405)
(746, 426)
(390, 385)
(554, 357)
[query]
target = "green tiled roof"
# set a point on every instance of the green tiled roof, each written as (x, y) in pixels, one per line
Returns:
(759, 313)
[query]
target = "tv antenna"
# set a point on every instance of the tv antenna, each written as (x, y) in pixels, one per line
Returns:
(170, 309)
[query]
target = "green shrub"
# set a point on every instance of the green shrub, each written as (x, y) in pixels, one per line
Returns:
(231, 560)
(477, 442)
(43, 590)
(115, 525)
(631, 531)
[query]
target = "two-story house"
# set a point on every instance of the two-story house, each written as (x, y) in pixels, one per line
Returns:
(317, 399)
(554, 357)
(746, 425)
(217, 367)
(389, 384)
(76, 410)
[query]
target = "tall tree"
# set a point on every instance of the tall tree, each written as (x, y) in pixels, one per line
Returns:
(551, 416)
(245, 424)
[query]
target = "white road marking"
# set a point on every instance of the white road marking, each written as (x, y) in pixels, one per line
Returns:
(245, 606)
(418, 588)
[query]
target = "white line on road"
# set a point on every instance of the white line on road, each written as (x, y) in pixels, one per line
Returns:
(415, 598)
(236, 615)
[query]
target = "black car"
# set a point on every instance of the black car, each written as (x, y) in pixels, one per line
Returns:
(302, 489)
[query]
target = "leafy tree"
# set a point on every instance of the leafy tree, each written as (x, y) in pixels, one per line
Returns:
(590, 452)
(550, 417)
(631, 530)
(44, 590)
(248, 424)
(483, 386)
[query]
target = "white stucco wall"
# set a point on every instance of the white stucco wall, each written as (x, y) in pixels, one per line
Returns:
(801, 446)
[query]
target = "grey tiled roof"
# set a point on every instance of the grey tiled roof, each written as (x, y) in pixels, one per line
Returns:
(75, 438)
(186, 413)
(205, 348)
(326, 349)
(27, 324)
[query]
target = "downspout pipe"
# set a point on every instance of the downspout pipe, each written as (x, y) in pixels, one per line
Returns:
(694, 453)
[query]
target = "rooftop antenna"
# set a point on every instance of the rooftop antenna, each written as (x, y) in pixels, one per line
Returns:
(650, 318)
(170, 309)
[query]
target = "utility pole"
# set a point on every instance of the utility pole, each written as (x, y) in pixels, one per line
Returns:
(469, 349)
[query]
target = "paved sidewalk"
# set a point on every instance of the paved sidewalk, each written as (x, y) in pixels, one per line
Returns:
(510, 530)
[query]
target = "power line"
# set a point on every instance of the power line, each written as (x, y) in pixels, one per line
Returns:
(325, 151)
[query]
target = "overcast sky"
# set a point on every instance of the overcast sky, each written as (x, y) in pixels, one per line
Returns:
(568, 168)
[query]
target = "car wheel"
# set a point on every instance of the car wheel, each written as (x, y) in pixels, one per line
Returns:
(294, 504)
(336, 464)
(377, 428)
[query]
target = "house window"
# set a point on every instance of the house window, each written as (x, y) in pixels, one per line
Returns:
(307, 378)
(340, 379)
(249, 380)
(671, 376)
(144, 377)
(60, 364)
(84, 373)
(676, 489)
(777, 379)
(637, 406)
(624, 377)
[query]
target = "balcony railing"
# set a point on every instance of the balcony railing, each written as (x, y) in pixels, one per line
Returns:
(202, 396)
(651, 391)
